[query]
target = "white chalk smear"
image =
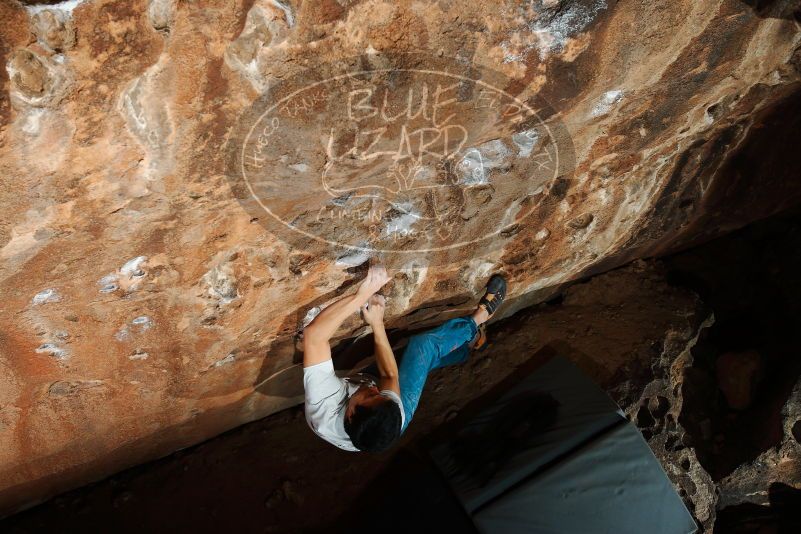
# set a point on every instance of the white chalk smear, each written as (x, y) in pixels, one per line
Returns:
(143, 322)
(67, 7)
(401, 225)
(132, 268)
(52, 349)
(310, 315)
(525, 141)
(225, 361)
(45, 296)
(139, 324)
(354, 258)
(555, 25)
(108, 283)
(123, 333)
(290, 19)
(32, 124)
(604, 105)
(477, 163)
(471, 168)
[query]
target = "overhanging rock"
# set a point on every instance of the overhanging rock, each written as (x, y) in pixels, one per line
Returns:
(145, 307)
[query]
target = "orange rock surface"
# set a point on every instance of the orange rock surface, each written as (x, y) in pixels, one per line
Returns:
(144, 308)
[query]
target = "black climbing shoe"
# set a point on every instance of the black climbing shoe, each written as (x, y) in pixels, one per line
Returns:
(496, 293)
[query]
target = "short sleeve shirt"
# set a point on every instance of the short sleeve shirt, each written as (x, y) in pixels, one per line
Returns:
(327, 401)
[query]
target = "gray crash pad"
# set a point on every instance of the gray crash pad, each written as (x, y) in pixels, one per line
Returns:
(614, 484)
(555, 454)
(579, 409)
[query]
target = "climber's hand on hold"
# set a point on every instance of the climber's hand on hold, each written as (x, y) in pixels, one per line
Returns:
(373, 310)
(376, 278)
(318, 333)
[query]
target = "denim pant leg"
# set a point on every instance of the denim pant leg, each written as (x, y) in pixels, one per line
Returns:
(444, 345)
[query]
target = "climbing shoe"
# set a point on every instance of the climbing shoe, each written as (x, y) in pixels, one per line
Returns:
(495, 294)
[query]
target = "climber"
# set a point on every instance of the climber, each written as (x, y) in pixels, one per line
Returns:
(363, 413)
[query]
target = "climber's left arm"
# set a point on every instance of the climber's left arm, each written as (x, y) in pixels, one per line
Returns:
(373, 313)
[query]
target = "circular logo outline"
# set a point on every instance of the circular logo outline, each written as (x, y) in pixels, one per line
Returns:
(529, 111)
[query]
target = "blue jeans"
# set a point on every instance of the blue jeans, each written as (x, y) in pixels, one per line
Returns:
(445, 345)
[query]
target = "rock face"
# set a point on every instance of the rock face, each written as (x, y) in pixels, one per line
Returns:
(147, 302)
(657, 412)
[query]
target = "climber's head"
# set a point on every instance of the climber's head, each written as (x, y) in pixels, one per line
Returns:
(372, 420)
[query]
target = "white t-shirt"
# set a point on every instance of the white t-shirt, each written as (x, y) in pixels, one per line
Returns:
(327, 401)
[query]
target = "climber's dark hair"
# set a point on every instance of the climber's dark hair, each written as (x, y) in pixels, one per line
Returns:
(374, 428)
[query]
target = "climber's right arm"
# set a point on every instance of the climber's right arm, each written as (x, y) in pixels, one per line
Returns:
(316, 335)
